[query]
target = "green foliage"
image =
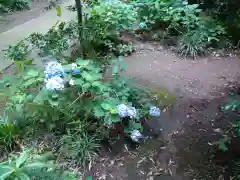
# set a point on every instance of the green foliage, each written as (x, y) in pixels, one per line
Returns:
(196, 30)
(232, 105)
(101, 33)
(104, 23)
(20, 91)
(57, 40)
(82, 111)
(27, 166)
(8, 132)
(81, 147)
(86, 107)
(15, 4)
(22, 4)
(195, 42)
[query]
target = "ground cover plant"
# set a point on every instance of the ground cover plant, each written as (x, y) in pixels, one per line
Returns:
(196, 30)
(9, 5)
(74, 97)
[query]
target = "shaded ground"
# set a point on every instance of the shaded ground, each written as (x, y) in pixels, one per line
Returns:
(12, 19)
(187, 130)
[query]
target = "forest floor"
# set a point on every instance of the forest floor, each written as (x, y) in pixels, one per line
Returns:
(183, 148)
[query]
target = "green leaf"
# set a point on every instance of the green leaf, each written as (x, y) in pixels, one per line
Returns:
(89, 178)
(37, 165)
(28, 62)
(115, 119)
(32, 73)
(98, 112)
(22, 159)
(106, 106)
(59, 11)
(82, 63)
(113, 111)
(79, 82)
(137, 125)
(5, 172)
(96, 83)
(29, 83)
(108, 120)
(85, 87)
(222, 143)
(87, 76)
(127, 130)
(23, 176)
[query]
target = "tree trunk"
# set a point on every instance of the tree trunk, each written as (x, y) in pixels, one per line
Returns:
(80, 24)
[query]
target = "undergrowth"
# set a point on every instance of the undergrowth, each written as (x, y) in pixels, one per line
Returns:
(197, 31)
(9, 5)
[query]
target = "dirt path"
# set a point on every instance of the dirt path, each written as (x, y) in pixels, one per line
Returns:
(186, 129)
(13, 19)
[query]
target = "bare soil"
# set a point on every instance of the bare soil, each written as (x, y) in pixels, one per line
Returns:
(12, 19)
(187, 131)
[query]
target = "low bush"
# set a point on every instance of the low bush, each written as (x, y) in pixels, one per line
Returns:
(101, 34)
(178, 18)
(15, 4)
(75, 100)
(27, 166)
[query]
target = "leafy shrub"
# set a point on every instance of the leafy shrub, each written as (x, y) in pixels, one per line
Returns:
(104, 23)
(27, 166)
(16, 4)
(102, 29)
(179, 18)
(8, 133)
(22, 4)
(195, 42)
(75, 99)
(232, 105)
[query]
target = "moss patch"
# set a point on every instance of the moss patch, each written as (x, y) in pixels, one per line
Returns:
(162, 97)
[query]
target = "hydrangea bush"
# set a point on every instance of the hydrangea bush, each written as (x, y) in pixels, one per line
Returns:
(75, 91)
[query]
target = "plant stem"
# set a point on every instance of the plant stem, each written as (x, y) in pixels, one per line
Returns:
(80, 24)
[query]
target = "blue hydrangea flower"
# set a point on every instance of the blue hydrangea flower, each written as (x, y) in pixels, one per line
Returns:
(55, 83)
(154, 111)
(76, 71)
(136, 135)
(131, 112)
(142, 25)
(53, 69)
(126, 111)
(122, 110)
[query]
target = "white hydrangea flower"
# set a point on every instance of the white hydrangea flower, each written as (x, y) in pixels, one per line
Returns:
(55, 83)
(74, 65)
(72, 82)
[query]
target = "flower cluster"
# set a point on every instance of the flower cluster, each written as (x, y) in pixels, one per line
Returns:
(53, 69)
(75, 69)
(136, 135)
(53, 73)
(154, 111)
(126, 111)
